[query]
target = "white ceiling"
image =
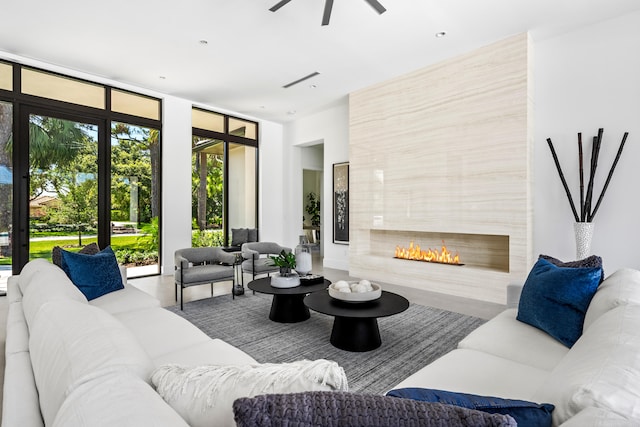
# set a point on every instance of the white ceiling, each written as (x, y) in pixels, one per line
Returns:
(252, 52)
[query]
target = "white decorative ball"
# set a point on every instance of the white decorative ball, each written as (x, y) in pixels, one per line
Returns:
(340, 284)
(365, 282)
(359, 288)
(345, 290)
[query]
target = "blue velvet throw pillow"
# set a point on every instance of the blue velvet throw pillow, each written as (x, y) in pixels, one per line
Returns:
(95, 275)
(526, 414)
(555, 299)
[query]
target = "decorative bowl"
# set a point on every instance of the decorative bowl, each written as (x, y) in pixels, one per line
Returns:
(356, 296)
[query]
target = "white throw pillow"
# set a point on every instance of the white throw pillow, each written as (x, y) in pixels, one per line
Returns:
(204, 395)
(620, 288)
(121, 400)
(602, 369)
(73, 343)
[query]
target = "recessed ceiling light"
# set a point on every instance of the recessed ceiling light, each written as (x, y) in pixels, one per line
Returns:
(291, 112)
(313, 86)
(162, 77)
(203, 42)
(441, 34)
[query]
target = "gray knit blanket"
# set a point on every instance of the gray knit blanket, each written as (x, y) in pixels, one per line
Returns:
(343, 409)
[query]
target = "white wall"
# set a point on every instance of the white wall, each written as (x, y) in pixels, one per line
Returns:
(330, 126)
(176, 179)
(584, 80)
(274, 186)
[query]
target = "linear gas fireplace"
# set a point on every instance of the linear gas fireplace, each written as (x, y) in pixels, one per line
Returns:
(416, 253)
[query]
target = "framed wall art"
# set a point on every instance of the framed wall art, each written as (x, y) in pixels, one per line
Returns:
(341, 203)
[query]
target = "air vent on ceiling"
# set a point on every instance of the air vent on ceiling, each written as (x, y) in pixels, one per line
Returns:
(288, 85)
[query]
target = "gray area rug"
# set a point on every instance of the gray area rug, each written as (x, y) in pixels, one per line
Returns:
(410, 340)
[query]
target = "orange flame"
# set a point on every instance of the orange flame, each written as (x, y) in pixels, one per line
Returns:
(414, 252)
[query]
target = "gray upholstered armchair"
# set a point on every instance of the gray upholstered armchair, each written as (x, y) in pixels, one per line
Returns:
(256, 259)
(198, 266)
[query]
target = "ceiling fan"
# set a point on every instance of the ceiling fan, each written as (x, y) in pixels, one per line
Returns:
(328, 5)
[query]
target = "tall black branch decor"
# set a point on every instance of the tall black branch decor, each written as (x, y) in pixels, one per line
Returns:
(587, 212)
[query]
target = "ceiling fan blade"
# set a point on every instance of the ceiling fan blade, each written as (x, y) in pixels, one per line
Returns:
(327, 12)
(377, 6)
(279, 5)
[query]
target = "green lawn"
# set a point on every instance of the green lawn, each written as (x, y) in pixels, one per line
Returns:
(42, 248)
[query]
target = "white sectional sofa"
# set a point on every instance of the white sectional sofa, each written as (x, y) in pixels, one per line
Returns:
(73, 362)
(594, 383)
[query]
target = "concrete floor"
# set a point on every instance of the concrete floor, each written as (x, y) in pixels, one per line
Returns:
(163, 288)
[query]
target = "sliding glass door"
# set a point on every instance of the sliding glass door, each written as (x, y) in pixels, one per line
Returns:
(6, 191)
(63, 184)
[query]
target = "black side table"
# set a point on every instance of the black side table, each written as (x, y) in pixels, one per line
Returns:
(287, 305)
(355, 325)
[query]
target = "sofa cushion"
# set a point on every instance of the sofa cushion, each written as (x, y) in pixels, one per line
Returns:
(95, 275)
(340, 409)
(118, 399)
(239, 236)
(17, 335)
(72, 343)
(588, 262)
(20, 404)
(602, 369)
(209, 352)
(56, 253)
(160, 331)
(620, 288)
(476, 372)
(526, 414)
(129, 298)
(506, 337)
(205, 393)
(52, 284)
(555, 299)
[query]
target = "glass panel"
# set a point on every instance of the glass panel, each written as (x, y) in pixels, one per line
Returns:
(6, 76)
(61, 88)
(135, 192)
(63, 193)
(207, 120)
(243, 128)
(207, 191)
(242, 187)
(135, 105)
(6, 191)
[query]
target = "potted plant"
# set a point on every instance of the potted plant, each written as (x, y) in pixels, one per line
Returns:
(287, 278)
(313, 209)
(286, 261)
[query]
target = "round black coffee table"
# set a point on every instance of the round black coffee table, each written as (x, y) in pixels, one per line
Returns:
(355, 325)
(287, 305)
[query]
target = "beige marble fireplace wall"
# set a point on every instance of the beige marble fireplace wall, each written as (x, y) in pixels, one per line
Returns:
(446, 150)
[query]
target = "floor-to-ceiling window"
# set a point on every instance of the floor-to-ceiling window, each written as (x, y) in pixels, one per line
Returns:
(63, 183)
(6, 190)
(224, 177)
(81, 161)
(135, 197)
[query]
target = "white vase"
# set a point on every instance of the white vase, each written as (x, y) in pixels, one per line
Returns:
(584, 233)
